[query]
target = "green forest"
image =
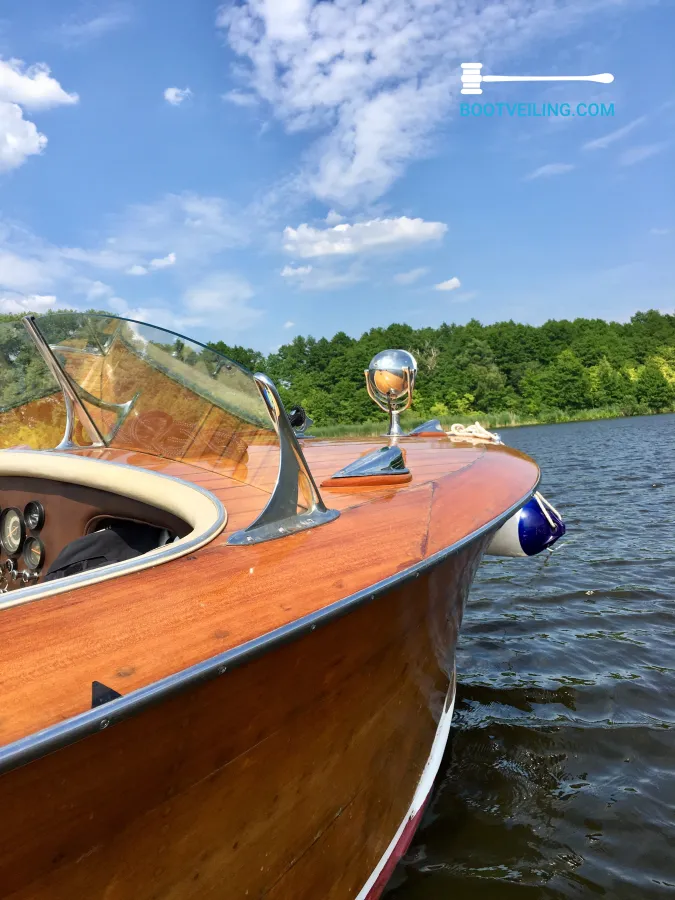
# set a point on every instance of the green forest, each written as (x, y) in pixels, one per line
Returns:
(501, 374)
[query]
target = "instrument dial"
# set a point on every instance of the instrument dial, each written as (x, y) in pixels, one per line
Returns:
(34, 515)
(12, 531)
(33, 553)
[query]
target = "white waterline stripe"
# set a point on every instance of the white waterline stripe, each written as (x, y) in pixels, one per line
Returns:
(423, 789)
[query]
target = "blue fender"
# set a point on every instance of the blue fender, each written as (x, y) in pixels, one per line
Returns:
(535, 527)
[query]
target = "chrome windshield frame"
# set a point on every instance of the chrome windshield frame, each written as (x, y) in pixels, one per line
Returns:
(70, 395)
(295, 503)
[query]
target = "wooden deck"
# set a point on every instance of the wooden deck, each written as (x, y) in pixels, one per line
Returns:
(135, 630)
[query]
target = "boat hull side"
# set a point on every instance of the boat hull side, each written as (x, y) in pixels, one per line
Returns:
(301, 773)
(406, 831)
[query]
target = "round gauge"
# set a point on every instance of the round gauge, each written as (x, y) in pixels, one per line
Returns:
(33, 553)
(34, 515)
(12, 531)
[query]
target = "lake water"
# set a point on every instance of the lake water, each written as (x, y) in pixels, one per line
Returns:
(559, 778)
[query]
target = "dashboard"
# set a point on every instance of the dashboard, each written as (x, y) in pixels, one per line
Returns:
(20, 541)
(39, 517)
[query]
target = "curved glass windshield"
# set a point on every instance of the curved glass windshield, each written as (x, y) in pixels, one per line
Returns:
(150, 389)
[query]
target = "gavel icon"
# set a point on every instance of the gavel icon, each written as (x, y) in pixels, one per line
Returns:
(472, 78)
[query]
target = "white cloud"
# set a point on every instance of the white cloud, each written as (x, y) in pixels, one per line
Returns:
(362, 237)
(103, 258)
(638, 154)
(225, 293)
(334, 218)
(164, 262)
(450, 285)
(310, 278)
(156, 315)
(23, 303)
(32, 88)
(207, 220)
(659, 231)
(548, 170)
(19, 138)
(295, 271)
(375, 79)
(217, 291)
(196, 227)
(81, 31)
(241, 98)
(26, 269)
(95, 290)
(29, 265)
(175, 96)
(289, 324)
(410, 277)
(22, 88)
(606, 140)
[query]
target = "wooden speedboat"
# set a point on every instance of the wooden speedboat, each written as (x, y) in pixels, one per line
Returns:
(218, 677)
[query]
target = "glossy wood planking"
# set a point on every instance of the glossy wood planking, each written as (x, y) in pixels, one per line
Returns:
(156, 623)
(263, 782)
(367, 481)
(323, 460)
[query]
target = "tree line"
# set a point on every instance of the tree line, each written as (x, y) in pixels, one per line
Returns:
(473, 369)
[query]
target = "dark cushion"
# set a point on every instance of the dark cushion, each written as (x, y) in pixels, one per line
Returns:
(114, 544)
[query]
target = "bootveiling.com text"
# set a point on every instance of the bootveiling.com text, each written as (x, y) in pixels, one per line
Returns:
(536, 110)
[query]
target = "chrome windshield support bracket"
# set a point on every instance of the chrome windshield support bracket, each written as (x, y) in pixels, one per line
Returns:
(281, 517)
(121, 409)
(67, 442)
(71, 400)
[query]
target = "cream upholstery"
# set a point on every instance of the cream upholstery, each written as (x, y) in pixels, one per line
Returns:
(199, 508)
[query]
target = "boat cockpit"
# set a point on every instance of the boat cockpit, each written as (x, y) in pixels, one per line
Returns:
(87, 402)
(68, 520)
(51, 529)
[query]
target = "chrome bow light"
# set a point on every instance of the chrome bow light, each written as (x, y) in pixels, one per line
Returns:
(390, 380)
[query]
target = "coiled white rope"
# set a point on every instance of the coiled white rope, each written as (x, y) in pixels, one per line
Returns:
(475, 432)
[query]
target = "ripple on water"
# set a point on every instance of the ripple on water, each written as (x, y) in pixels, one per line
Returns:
(559, 778)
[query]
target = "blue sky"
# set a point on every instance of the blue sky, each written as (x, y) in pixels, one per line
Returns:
(278, 167)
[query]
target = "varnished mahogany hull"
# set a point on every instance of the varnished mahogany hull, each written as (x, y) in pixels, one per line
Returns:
(288, 776)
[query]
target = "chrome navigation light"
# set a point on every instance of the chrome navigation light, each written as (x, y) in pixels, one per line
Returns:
(390, 380)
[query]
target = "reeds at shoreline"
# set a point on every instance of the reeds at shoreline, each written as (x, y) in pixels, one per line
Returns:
(491, 421)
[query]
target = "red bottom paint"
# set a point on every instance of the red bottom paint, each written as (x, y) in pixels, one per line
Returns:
(397, 852)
